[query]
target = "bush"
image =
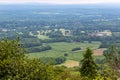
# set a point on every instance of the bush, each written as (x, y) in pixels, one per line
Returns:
(65, 54)
(53, 61)
(39, 49)
(75, 49)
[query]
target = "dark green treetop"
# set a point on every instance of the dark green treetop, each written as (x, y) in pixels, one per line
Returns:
(89, 67)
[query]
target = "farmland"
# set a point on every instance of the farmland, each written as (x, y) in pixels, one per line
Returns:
(61, 48)
(56, 39)
(70, 63)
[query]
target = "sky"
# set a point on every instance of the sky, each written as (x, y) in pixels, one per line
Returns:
(59, 1)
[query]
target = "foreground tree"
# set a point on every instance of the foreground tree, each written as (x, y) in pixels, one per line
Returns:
(15, 66)
(88, 68)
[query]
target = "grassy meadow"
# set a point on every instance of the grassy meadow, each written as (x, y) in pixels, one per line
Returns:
(61, 48)
(42, 37)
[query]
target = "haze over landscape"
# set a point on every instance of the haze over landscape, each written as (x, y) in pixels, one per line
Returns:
(59, 39)
(59, 1)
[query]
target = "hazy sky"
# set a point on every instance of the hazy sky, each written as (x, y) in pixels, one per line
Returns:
(60, 1)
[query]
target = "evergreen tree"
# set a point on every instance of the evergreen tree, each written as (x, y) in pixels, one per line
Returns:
(88, 68)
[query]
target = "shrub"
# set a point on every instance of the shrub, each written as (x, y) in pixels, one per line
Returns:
(75, 49)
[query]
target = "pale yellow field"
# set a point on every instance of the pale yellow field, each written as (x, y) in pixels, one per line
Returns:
(70, 63)
(99, 52)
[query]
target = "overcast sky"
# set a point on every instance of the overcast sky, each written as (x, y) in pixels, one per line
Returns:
(60, 1)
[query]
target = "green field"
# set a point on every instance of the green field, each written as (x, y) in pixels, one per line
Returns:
(42, 37)
(39, 36)
(60, 48)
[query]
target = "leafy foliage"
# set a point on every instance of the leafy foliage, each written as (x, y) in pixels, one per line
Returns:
(39, 48)
(112, 56)
(75, 49)
(52, 60)
(15, 66)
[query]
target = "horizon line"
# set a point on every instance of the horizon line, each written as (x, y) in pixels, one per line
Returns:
(58, 3)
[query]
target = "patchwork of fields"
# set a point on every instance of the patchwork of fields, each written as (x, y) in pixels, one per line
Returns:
(62, 48)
